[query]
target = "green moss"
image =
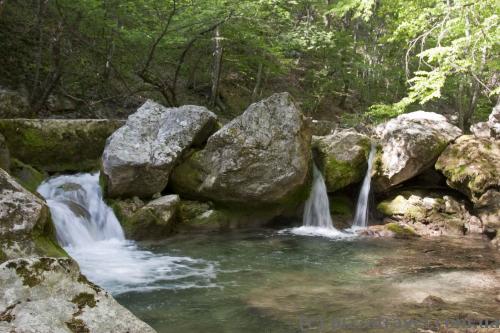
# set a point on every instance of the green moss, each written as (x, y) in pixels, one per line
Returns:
(340, 205)
(84, 299)
(49, 247)
(401, 231)
(77, 326)
(26, 175)
(29, 275)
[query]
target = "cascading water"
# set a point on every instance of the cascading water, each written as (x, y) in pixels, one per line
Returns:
(361, 216)
(90, 232)
(317, 219)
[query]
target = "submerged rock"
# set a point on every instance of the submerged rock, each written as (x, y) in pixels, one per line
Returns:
(342, 158)
(25, 225)
(430, 213)
(471, 165)
(411, 143)
(47, 295)
(153, 220)
(57, 145)
(259, 158)
(139, 156)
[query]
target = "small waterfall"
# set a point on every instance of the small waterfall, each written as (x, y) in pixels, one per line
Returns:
(316, 218)
(361, 216)
(90, 232)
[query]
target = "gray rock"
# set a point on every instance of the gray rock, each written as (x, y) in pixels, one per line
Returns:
(411, 143)
(4, 154)
(139, 156)
(487, 207)
(494, 122)
(260, 157)
(48, 295)
(13, 104)
(481, 130)
(322, 127)
(58, 145)
(25, 224)
(342, 158)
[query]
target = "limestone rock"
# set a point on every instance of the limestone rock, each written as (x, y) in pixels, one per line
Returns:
(153, 220)
(430, 213)
(13, 104)
(471, 165)
(342, 158)
(411, 143)
(48, 295)
(25, 225)
(58, 145)
(487, 208)
(259, 158)
(139, 156)
(494, 122)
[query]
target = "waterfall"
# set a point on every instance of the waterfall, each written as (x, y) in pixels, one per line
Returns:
(361, 216)
(316, 218)
(90, 232)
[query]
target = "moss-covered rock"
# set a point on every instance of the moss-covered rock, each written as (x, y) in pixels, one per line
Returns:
(471, 165)
(57, 145)
(26, 228)
(154, 220)
(430, 213)
(29, 177)
(401, 230)
(342, 158)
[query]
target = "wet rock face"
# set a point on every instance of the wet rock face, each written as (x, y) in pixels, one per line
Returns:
(342, 158)
(471, 165)
(430, 214)
(139, 156)
(261, 157)
(58, 145)
(410, 143)
(47, 295)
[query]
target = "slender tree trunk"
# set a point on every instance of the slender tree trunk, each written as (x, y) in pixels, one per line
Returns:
(217, 66)
(258, 83)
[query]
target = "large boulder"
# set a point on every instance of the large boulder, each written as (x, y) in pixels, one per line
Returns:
(4, 154)
(49, 295)
(259, 158)
(430, 213)
(342, 158)
(471, 165)
(25, 225)
(13, 104)
(487, 207)
(411, 143)
(139, 156)
(491, 127)
(153, 220)
(58, 145)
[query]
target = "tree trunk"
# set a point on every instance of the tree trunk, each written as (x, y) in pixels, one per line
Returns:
(258, 83)
(216, 67)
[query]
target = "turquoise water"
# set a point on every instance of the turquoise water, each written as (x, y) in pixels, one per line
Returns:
(265, 281)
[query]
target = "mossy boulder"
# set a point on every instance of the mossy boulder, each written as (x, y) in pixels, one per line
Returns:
(26, 228)
(261, 158)
(47, 295)
(29, 177)
(342, 158)
(58, 145)
(154, 220)
(430, 213)
(471, 165)
(410, 144)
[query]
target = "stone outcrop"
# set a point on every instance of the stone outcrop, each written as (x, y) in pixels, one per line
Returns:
(57, 145)
(47, 295)
(26, 229)
(140, 156)
(342, 158)
(153, 220)
(490, 128)
(259, 158)
(13, 104)
(430, 213)
(410, 143)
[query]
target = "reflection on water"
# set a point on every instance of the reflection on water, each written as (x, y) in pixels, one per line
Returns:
(269, 282)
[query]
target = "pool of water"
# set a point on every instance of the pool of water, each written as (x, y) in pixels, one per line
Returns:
(267, 281)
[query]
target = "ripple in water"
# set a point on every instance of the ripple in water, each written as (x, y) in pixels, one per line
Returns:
(90, 232)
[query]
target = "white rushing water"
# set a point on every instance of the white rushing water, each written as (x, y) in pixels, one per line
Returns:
(90, 232)
(316, 219)
(361, 216)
